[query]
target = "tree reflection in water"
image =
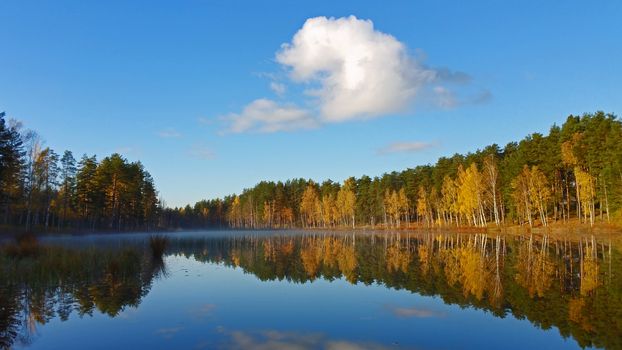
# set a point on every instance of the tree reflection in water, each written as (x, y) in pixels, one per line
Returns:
(551, 282)
(56, 281)
(571, 285)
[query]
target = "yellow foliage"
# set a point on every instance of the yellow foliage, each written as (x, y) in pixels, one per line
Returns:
(535, 270)
(589, 278)
(577, 315)
(311, 256)
(398, 258)
(309, 204)
(424, 258)
(235, 257)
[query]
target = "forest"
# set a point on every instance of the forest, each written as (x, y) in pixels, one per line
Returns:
(41, 190)
(572, 175)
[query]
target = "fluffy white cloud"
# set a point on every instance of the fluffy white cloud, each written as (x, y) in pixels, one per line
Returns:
(350, 71)
(406, 147)
(265, 115)
(361, 72)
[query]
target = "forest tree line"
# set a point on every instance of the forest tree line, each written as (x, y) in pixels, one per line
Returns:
(43, 190)
(572, 174)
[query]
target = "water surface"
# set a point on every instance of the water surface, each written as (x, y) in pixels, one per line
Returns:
(309, 290)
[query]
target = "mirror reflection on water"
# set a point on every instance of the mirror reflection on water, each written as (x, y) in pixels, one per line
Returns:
(309, 290)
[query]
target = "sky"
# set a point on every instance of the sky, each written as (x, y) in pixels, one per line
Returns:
(215, 96)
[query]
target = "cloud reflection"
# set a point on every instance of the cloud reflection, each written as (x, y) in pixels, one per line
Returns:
(408, 312)
(202, 310)
(168, 333)
(278, 340)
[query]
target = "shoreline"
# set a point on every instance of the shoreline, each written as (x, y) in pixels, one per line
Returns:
(557, 229)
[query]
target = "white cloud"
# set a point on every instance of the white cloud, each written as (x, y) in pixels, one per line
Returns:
(350, 71)
(169, 133)
(128, 151)
(444, 97)
(361, 72)
(406, 147)
(263, 115)
(278, 88)
(201, 152)
(205, 120)
(483, 96)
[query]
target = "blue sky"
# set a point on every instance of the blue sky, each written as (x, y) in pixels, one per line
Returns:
(168, 83)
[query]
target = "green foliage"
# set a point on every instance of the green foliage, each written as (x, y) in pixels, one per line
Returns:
(586, 151)
(579, 178)
(40, 190)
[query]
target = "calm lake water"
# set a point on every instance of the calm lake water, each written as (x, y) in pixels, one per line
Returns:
(313, 290)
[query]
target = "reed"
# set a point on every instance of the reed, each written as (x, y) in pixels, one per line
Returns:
(158, 245)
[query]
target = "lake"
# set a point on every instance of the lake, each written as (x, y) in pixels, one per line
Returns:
(312, 290)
